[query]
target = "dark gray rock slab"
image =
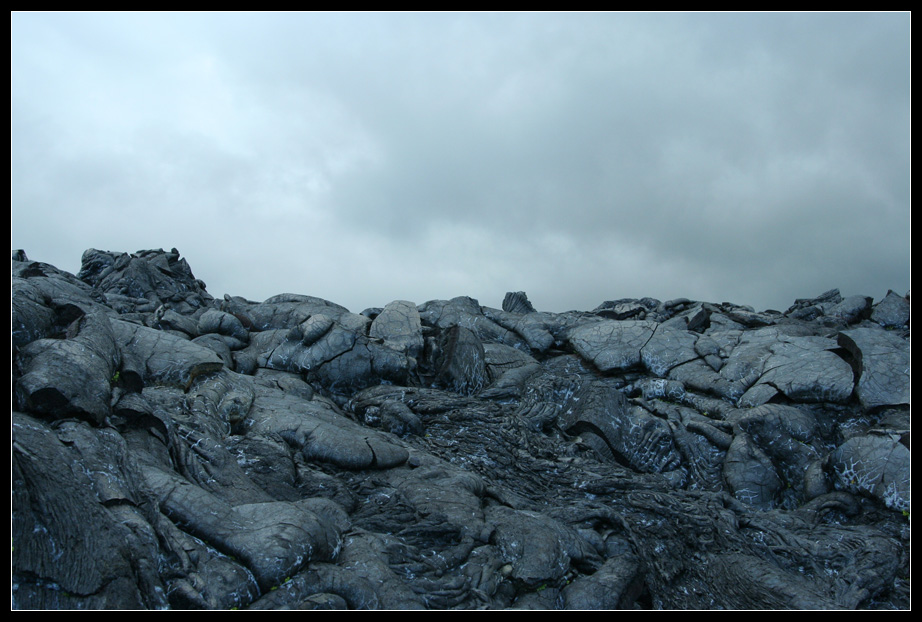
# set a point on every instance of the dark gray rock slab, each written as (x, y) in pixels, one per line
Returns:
(60, 561)
(875, 465)
(702, 447)
(322, 433)
(539, 549)
(757, 395)
(288, 382)
(397, 418)
(697, 375)
(399, 327)
(169, 320)
(273, 539)
(747, 582)
(322, 586)
(616, 585)
(628, 310)
(612, 345)
(71, 376)
(46, 301)
(448, 492)
(517, 302)
(30, 318)
(366, 364)
(154, 276)
(334, 352)
(750, 473)
(805, 370)
(802, 367)
(667, 348)
(852, 309)
(279, 312)
(466, 312)
(158, 357)
(500, 358)
(223, 323)
(368, 556)
(533, 328)
(810, 308)
(892, 311)
(786, 435)
(460, 361)
(632, 436)
(882, 360)
(218, 345)
(310, 344)
(748, 318)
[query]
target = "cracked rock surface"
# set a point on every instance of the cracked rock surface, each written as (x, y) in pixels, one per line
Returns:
(170, 450)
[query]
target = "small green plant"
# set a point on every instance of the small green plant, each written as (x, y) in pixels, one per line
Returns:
(275, 587)
(115, 378)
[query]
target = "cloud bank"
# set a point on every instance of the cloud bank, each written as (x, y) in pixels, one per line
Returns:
(755, 158)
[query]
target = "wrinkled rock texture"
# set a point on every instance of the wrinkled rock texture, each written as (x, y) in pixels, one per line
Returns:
(172, 450)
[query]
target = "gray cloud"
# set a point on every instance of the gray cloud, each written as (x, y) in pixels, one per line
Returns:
(363, 158)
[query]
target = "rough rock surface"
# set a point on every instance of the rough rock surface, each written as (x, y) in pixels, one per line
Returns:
(173, 450)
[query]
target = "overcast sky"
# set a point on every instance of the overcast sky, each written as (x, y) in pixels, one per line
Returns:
(365, 158)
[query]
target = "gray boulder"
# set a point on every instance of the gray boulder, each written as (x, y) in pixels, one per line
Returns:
(874, 465)
(882, 366)
(892, 311)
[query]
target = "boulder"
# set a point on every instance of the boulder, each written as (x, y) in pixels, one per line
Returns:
(882, 366)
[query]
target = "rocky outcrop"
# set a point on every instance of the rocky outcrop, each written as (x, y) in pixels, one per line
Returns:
(172, 450)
